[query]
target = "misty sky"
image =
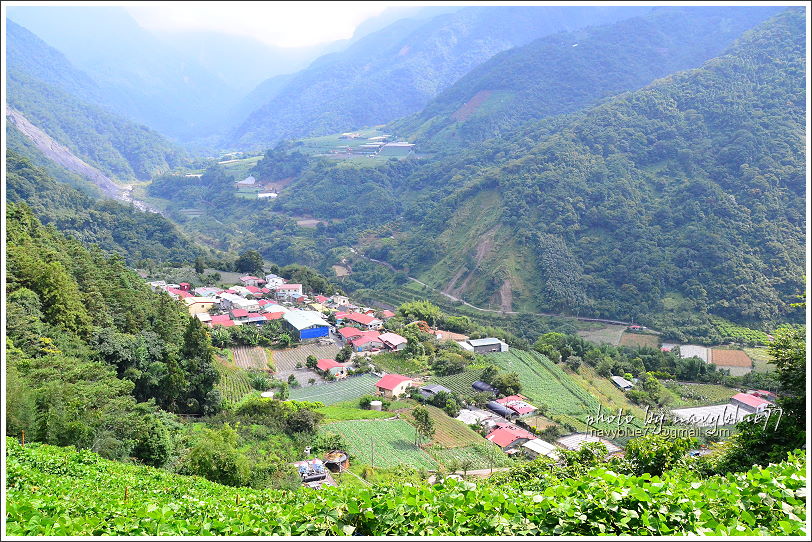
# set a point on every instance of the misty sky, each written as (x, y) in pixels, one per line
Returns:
(283, 24)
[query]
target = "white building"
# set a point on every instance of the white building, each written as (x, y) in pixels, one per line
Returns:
(233, 301)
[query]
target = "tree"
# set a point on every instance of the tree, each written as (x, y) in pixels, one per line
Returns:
(423, 423)
(303, 421)
(654, 454)
(344, 354)
(200, 266)
(311, 361)
(507, 383)
(249, 261)
(215, 456)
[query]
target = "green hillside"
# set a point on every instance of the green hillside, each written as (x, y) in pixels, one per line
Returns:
(692, 186)
(56, 491)
(568, 71)
(115, 227)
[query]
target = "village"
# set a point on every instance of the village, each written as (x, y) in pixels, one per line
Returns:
(332, 358)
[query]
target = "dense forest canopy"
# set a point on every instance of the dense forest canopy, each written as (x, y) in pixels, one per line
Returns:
(115, 227)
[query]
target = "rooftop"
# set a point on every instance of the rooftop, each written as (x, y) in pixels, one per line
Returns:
(304, 319)
(391, 381)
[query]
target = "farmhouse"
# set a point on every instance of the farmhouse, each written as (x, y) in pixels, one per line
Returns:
(221, 320)
(768, 395)
(233, 301)
(349, 333)
(517, 404)
(387, 314)
(272, 280)
(367, 341)
(537, 447)
(393, 385)
(306, 324)
(331, 366)
(204, 317)
(393, 341)
(206, 291)
(622, 383)
(484, 346)
(749, 403)
(735, 361)
(339, 300)
(369, 322)
(508, 436)
(249, 280)
(286, 292)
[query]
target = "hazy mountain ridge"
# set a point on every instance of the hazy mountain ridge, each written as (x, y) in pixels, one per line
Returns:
(396, 71)
(568, 71)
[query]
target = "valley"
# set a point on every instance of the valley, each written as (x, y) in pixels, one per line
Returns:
(465, 271)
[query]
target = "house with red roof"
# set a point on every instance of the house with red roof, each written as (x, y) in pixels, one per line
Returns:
(508, 436)
(256, 292)
(321, 299)
(388, 314)
(393, 341)
(239, 314)
(518, 404)
(274, 315)
(349, 333)
(368, 340)
(749, 403)
(331, 366)
(221, 320)
(366, 320)
(393, 385)
(177, 293)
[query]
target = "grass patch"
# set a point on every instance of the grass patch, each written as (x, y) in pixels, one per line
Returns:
(450, 432)
(342, 413)
(688, 394)
(639, 339)
(761, 359)
(475, 453)
(398, 362)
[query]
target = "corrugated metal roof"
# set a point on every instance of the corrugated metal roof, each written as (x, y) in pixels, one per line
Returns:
(484, 342)
(304, 319)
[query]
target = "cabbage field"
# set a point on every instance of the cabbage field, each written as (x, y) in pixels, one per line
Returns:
(61, 492)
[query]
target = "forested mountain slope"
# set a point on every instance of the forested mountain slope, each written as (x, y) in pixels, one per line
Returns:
(397, 70)
(687, 194)
(64, 102)
(92, 352)
(568, 71)
(115, 227)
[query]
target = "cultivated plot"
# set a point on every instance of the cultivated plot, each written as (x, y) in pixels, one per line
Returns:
(388, 443)
(330, 393)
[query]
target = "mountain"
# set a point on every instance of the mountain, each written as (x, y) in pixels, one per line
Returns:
(139, 75)
(568, 71)
(55, 97)
(397, 70)
(686, 195)
(115, 227)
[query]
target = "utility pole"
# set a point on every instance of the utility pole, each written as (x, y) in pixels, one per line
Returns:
(373, 455)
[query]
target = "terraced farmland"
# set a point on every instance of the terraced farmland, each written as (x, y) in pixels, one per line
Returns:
(544, 383)
(450, 432)
(233, 383)
(393, 442)
(460, 382)
(330, 393)
(250, 357)
(475, 453)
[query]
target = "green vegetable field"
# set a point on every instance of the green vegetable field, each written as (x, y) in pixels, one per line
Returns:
(460, 382)
(60, 492)
(545, 383)
(336, 392)
(393, 442)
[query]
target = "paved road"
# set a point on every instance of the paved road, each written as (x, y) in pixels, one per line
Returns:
(454, 298)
